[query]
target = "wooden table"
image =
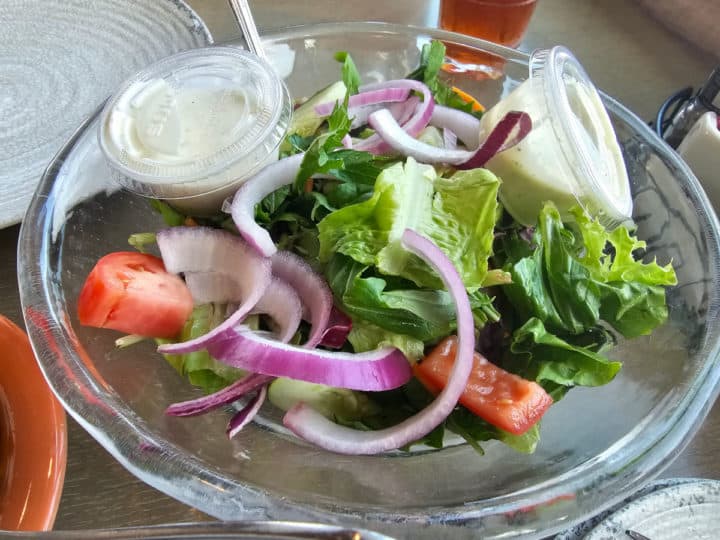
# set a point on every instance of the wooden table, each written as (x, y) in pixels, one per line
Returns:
(629, 55)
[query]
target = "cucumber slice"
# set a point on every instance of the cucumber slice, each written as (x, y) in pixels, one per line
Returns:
(305, 120)
(330, 402)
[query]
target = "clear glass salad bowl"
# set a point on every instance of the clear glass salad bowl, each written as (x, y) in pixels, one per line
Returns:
(596, 446)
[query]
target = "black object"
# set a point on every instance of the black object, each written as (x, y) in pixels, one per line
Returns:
(688, 109)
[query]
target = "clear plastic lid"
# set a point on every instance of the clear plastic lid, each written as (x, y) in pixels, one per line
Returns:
(584, 134)
(195, 122)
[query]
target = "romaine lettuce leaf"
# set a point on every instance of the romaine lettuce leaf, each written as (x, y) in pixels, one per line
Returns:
(199, 367)
(396, 305)
(365, 336)
(458, 214)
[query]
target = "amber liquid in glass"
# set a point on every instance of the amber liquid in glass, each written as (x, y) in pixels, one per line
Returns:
(500, 21)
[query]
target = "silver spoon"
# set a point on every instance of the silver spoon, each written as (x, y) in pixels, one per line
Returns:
(245, 19)
(241, 530)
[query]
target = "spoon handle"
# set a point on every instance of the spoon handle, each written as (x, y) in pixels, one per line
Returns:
(244, 17)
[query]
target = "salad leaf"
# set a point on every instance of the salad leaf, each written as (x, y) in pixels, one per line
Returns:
(199, 367)
(140, 240)
(456, 213)
(610, 255)
(571, 280)
(317, 155)
(365, 336)
(474, 429)
(633, 309)
(424, 314)
(269, 206)
(556, 364)
(432, 58)
(350, 75)
(396, 306)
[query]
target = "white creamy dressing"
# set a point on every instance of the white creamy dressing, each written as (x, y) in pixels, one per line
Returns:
(582, 164)
(157, 122)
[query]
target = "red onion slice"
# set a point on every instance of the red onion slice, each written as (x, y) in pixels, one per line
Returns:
(363, 99)
(338, 328)
(202, 249)
(274, 176)
(402, 112)
(464, 125)
(362, 104)
(422, 114)
(314, 427)
(382, 369)
(449, 139)
(280, 301)
(244, 416)
(227, 395)
(210, 287)
(511, 129)
(310, 287)
(417, 120)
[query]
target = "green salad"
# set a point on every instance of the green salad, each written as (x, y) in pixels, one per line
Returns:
(376, 232)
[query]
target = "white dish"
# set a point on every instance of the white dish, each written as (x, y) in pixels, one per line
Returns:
(59, 60)
(674, 509)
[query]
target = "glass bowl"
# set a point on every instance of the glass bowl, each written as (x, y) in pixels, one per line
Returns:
(597, 444)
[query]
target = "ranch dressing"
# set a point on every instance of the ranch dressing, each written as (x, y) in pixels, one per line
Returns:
(191, 128)
(571, 155)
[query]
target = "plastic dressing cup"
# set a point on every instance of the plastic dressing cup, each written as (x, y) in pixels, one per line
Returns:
(192, 127)
(571, 155)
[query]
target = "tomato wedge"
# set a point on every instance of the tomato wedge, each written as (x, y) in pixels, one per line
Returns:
(133, 293)
(501, 398)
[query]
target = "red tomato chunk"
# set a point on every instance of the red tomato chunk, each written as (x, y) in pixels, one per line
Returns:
(501, 398)
(133, 293)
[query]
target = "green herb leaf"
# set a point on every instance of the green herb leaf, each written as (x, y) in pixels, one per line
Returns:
(350, 74)
(432, 58)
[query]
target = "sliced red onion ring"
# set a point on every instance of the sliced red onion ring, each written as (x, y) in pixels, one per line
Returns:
(314, 427)
(511, 129)
(449, 139)
(362, 104)
(227, 395)
(202, 249)
(382, 369)
(254, 190)
(464, 125)
(347, 141)
(417, 121)
(310, 287)
(280, 301)
(209, 287)
(402, 113)
(243, 417)
(338, 328)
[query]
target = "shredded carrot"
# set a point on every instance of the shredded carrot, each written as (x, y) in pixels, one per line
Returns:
(308, 185)
(190, 222)
(467, 98)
